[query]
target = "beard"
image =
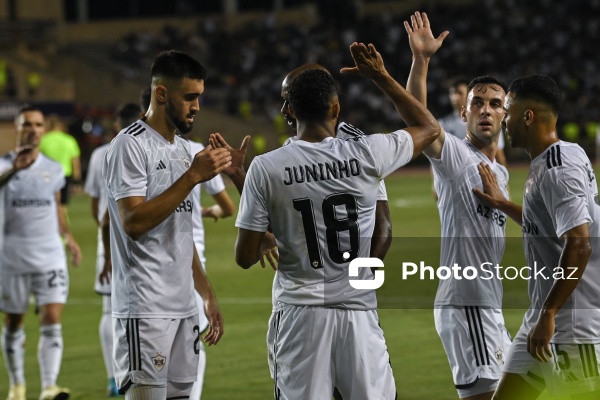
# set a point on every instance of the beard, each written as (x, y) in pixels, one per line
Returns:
(180, 124)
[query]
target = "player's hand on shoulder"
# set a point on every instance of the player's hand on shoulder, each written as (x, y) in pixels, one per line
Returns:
(269, 252)
(237, 155)
(491, 195)
(209, 162)
(367, 60)
(215, 322)
(421, 39)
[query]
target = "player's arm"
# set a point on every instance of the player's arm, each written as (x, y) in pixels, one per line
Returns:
(382, 233)
(423, 127)
(423, 45)
(106, 273)
(223, 209)
(573, 260)
(65, 233)
(209, 299)
(248, 247)
(22, 160)
(139, 215)
(94, 207)
(493, 197)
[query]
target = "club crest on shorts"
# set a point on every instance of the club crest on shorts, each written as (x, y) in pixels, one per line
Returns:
(159, 361)
(499, 356)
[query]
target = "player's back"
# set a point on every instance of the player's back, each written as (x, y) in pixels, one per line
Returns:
(320, 201)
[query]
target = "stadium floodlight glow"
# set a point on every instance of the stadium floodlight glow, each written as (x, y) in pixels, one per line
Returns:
(366, 262)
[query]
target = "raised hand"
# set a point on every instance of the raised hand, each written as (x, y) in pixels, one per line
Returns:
(209, 162)
(237, 155)
(24, 157)
(367, 60)
(421, 39)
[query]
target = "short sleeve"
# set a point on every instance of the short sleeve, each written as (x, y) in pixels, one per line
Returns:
(94, 182)
(382, 192)
(564, 193)
(390, 151)
(253, 213)
(125, 170)
(214, 186)
(455, 153)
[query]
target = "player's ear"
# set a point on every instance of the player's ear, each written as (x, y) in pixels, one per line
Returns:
(335, 110)
(463, 113)
(160, 92)
(528, 116)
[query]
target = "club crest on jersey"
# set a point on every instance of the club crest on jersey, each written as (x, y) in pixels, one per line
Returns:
(46, 176)
(159, 361)
(186, 163)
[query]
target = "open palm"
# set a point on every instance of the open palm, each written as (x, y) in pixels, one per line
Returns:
(421, 39)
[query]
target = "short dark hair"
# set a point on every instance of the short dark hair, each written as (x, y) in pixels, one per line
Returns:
(485, 80)
(310, 94)
(540, 88)
(128, 113)
(27, 108)
(173, 64)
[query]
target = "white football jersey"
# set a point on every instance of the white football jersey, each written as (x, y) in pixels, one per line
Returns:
(561, 193)
(96, 187)
(152, 276)
(319, 199)
(346, 131)
(32, 241)
(212, 187)
(472, 233)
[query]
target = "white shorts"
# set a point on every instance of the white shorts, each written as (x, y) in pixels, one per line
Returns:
(520, 362)
(49, 287)
(476, 342)
(573, 369)
(317, 348)
(154, 351)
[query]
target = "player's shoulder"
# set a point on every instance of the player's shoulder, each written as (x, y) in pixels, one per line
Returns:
(196, 146)
(347, 131)
(136, 130)
(562, 155)
(49, 164)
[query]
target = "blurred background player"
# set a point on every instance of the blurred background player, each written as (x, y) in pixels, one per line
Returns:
(61, 147)
(471, 235)
(223, 208)
(33, 256)
(96, 189)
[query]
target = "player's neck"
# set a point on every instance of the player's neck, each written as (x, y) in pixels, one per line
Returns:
(161, 125)
(489, 149)
(541, 139)
(315, 131)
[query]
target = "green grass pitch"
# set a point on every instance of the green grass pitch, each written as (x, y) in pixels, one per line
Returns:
(237, 366)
